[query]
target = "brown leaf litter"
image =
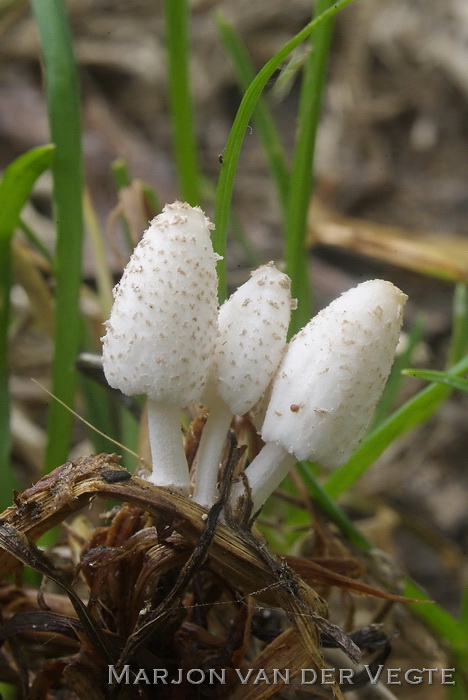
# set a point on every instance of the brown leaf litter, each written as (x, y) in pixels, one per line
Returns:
(164, 585)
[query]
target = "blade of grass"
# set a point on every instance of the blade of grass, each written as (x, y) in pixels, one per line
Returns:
(102, 270)
(36, 242)
(15, 188)
(180, 103)
(120, 172)
(262, 118)
(238, 230)
(64, 122)
(414, 412)
(437, 618)
(440, 621)
(464, 606)
(332, 509)
(8, 691)
(432, 375)
(122, 179)
(458, 691)
(301, 184)
(236, 136)
(101, 414)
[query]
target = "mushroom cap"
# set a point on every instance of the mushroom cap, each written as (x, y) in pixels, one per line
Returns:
(162, 330)
(252, 328)
(333, 374)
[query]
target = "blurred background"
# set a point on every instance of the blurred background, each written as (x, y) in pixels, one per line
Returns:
(390, 200)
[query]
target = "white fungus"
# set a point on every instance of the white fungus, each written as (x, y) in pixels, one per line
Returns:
(252, 328)
(328, 384)
(162, 330)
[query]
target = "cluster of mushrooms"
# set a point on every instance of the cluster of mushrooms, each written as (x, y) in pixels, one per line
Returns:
(167, 339)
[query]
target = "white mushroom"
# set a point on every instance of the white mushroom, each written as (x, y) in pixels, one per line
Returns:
(252, 328)
(328, 385)
(162, 330)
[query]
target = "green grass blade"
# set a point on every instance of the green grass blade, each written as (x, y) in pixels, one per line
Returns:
(100, 413)
(17, 183)
(436, 617)
(441, 622)
(459, 691)
(8, 691)
(432, 375)
(180, 103)
(330, 508)
(238, 230)
(464, 607)
(36, 242)
(262, 118)
(15, 188)
(64, 122)
(236, 136)
(120, 173)
(300, 188)
(102, 270)
(123, 179)
(412, 414)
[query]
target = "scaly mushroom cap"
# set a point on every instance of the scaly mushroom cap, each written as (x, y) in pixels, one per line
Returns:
(252, 328)
(162, 330)
(333, 374)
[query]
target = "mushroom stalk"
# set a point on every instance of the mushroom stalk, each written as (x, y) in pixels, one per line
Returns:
(209, 452)
(265, 474)
(167, 450)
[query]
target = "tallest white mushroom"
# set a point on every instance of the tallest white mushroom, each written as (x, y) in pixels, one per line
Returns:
(162, 330)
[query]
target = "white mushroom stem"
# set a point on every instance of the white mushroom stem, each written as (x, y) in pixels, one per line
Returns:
(209, 452)
(167, 450)
(264, 475)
